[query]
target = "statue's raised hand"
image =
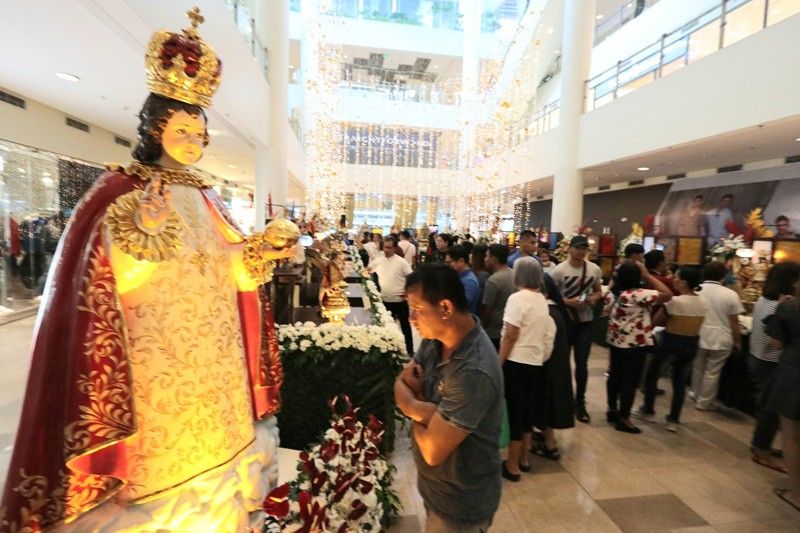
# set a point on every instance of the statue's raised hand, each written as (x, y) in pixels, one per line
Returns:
(154, 206)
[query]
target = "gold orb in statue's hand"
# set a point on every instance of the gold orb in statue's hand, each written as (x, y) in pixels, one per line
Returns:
(281, 233)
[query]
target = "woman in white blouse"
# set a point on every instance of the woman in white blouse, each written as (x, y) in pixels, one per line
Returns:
(526, 343)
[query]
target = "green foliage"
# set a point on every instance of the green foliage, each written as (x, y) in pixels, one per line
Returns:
(314, 376)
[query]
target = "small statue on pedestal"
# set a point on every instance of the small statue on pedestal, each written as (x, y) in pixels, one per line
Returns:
(329, 257)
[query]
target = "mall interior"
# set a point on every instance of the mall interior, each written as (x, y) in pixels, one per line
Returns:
(228, 230)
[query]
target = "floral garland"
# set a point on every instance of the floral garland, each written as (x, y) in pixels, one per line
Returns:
(383, 335)
(343, 484)
(379, 313)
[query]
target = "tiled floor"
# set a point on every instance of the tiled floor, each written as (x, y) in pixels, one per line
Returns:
(700, 479)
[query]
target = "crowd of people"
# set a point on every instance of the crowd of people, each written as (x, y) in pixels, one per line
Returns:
(499, 329)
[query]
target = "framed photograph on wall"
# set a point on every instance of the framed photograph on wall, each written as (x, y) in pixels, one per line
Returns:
(786, 250)
(667, 245)
(690, 251)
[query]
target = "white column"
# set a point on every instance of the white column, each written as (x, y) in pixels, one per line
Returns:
(576, 55)
(471, 12)
(262, 185)
(277, 43)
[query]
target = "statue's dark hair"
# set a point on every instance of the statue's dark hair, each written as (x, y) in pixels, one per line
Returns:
(153, 117)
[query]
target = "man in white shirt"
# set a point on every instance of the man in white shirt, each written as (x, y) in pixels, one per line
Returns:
(408, 248)
(579, 282)
(719, 335)
(392, 271)
(372, 248)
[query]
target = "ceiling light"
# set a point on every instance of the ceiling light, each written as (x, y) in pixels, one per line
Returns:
(217, 133)
(67, 77)
(48, 182)
(643, 169)
(600, 16)
(797, 140)
(46, 174)
(21, 169)
(231, 166)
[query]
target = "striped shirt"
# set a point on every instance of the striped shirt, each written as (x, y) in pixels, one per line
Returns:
(568, 278)
(759, 340)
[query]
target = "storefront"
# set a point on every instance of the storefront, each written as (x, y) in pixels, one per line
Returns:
(38, 190)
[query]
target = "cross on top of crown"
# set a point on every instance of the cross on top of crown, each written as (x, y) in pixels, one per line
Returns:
(195, 16)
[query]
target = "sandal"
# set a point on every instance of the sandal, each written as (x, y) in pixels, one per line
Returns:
(781, 493)
(542, 450)
(766, 462)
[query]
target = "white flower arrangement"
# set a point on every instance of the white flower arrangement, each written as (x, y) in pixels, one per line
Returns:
(301, 336)
(727, 245)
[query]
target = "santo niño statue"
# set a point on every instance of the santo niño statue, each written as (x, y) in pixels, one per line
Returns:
(153, 352)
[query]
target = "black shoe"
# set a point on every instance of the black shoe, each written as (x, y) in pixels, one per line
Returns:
(581, 415)
(542, 450)
(612, 416)
(538, 436)
(524, 468)
(625, 428)
(508, 475)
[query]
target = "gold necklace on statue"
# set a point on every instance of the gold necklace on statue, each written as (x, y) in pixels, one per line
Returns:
(168, 176)
(201, 257)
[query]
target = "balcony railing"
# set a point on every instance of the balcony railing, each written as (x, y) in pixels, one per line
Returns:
(247, 27)
(429, 94)
(428, 13)
(620, 17)
(721, 26)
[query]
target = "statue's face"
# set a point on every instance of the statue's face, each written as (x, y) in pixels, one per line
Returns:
(183, 137)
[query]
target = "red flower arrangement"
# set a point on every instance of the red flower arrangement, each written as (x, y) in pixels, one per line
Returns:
(343, 483)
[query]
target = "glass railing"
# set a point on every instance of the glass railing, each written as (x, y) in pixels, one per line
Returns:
(429, 94)
(537, 123)
(725, 24)
(246, 26)
(428, 13)
(626, 13)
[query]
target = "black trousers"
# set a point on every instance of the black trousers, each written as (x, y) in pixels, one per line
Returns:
(682, 355)
(623, 378)
(399, 311)
(762, 374)
(580, 339)
(524, 388)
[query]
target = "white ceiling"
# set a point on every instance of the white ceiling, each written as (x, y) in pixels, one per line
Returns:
(103, 43)
(774, 140)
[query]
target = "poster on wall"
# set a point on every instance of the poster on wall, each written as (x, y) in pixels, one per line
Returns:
(712, 212)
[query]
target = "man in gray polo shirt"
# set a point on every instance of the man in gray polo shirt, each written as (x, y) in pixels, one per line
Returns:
(498, 288)
(453, 392)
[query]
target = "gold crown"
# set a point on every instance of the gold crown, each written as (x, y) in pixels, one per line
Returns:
(182, 66)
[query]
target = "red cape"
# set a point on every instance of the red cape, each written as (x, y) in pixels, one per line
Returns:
(69, 454)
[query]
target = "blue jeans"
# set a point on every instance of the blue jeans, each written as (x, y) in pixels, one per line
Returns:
(580, 338)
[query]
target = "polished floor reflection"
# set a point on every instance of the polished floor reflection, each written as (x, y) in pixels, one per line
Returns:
(699, 479)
